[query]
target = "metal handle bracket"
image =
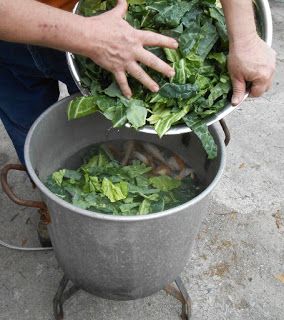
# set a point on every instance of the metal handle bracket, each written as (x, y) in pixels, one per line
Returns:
(226, 131)
(26, 203)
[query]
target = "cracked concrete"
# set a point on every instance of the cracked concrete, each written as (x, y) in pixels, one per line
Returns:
(237, 265)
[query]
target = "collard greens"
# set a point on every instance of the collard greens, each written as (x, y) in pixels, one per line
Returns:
(103, 184)
(200, 86)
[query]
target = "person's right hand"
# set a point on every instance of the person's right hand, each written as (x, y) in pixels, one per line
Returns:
(251, 60)
(119, 48)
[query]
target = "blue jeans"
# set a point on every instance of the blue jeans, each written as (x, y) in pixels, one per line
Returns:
(28, 86)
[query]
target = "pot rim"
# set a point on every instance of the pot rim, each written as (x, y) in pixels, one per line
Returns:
(104, 216)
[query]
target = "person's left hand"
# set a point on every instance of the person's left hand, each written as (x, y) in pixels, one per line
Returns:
(250, 60)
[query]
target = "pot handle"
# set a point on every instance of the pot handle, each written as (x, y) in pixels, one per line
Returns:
(26, 203)
(226, 132)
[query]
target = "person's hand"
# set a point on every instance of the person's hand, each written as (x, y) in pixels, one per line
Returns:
(119, 48)
(251, 61)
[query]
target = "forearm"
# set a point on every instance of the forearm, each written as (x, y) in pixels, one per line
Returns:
(32, 22)
(240, 20)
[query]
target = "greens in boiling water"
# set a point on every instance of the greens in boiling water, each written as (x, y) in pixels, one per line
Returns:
(200, 86)
(132, 179)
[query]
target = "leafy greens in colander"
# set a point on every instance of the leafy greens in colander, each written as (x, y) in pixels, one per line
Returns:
(201, 83)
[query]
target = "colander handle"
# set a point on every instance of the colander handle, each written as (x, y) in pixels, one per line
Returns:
(226, 131)
(26, 203)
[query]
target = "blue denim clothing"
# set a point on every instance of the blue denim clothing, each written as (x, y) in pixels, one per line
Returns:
(28, 86)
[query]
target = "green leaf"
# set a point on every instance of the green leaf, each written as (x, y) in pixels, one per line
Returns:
(104, 102)
(220, 57)
(209, 37)
(136, 169)
(158, 206)
(170, 15)
(58, 190)
(114, 192)
(203, 82)
(172, 54)
(136, 113)
(133, 2)
(144, 192)
(192, 16)
(94, 184)
(98, 160)
(78, 201)
(191, 120)
(113, 91)
(164, 124)
(58, 176)
(90, 7)
(117, 114)
(127, 207)
(142, 181)
(189, 38)
(72, 174)
(217, 14)
(144, 207)
(221, 89)
(182, 91)
(173, 33)
(207, 140)
(81, 107)
(92, 198)
(180, 69)
(165, 183)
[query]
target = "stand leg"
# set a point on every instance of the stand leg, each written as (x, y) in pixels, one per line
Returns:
(182, 295)
(61, 296)
(179, 292)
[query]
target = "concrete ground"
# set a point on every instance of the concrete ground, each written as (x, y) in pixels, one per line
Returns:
(237, 266)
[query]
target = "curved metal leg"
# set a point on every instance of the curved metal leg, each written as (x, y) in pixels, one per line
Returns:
(61, 296)
(179, 292)
(182, 295)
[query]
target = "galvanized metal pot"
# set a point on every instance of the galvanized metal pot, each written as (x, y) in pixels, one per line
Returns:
(116, 257)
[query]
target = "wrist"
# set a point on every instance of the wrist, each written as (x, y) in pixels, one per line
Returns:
(89, 29)
(243, 41)
(77, 39)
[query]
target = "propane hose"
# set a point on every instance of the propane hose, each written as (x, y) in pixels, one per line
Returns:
(12, 247)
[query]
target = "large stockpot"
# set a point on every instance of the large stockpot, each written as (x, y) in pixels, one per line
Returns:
(116, 257)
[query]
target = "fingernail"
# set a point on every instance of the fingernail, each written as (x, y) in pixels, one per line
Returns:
(175, 44)
(155, 88)
(235, 101)
(172, 73)
(128, 95)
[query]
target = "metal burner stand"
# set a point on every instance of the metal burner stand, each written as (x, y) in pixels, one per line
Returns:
(178, 291)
